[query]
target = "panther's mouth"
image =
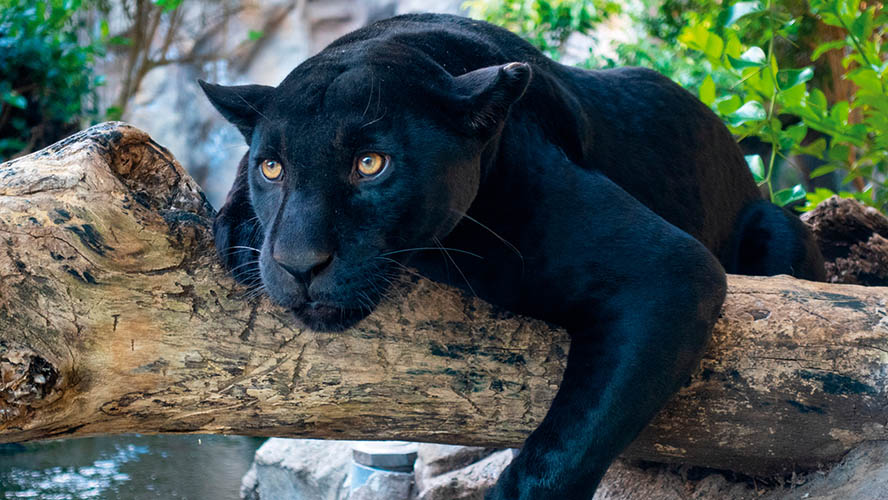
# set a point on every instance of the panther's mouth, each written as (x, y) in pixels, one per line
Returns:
(324, 317)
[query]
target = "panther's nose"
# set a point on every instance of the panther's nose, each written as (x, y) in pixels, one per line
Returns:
(303, 265)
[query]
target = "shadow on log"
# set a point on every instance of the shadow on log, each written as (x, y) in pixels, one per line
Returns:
(116, 317)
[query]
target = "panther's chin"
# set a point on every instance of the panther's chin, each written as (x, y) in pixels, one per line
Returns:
(328, 318)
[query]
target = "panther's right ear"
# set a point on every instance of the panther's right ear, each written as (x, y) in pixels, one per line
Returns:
(486, 94)
(239, 104)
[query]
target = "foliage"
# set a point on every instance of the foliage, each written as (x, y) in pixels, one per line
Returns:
(760, 66)
(46, 83)
(547, 24)
(777, 105)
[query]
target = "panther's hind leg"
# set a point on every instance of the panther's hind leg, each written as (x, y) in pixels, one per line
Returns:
(769, 240)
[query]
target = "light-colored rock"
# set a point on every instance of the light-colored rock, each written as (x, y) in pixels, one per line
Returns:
(467, 483)
(624, 481)
(861, 475)
(440, 6)
(436, 459)
(383, 485)
(302, 469)
(249, 489)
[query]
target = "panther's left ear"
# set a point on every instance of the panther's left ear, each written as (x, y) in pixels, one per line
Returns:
(489, 92)
(239, 104)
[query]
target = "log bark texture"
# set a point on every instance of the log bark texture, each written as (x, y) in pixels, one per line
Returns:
(853, 239)
(115, 316)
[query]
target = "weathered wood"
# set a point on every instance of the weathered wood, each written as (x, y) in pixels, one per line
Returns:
(116, 317)
(854, 240)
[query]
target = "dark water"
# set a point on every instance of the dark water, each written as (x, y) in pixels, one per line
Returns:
(127, 467)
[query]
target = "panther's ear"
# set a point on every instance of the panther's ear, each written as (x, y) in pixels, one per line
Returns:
(239, 104)
(489, 92)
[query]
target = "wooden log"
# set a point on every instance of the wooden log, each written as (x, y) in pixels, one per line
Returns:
(115, 316)
(854, 240)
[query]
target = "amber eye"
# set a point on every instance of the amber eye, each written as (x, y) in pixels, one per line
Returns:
(371, 164)
(272, 170)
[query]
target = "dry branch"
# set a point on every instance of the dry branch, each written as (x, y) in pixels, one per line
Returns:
(115, 317)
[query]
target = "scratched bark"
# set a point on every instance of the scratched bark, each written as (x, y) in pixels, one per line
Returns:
(116, 317)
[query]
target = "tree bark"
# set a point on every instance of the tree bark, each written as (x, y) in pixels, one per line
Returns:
(115, 316)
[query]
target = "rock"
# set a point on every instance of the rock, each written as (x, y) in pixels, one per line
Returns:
(249, 489)
(441, 6)
(300, 469)
(437, 459)
(467, 483)
(625, 481)
(308, 469)
(385, 486)
(861, 475)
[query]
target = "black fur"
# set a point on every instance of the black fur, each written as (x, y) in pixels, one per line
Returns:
(603, 201)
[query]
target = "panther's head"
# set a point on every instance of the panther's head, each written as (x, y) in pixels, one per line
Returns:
(354, 157)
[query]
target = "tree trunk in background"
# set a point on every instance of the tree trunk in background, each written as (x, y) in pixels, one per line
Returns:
(116, 317)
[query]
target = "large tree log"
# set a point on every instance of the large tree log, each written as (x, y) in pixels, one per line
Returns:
(116, 317)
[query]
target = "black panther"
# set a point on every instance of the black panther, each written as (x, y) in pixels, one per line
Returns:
(607, 202)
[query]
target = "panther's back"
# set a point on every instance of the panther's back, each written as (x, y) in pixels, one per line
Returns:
(643, 131)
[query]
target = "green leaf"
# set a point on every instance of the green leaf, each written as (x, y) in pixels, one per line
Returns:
(113, 113)
(733, 45)
(754, 57)
(862, 27)
(867, 79)
(714, 46)
(254, 35)
(788, 78)
(792, 96)
(789, 195)
(839, 113)
(818, 196)
(120, 40)
(793, 135)
(850, 177)
(756, 166)
(815, 149)
(750, 111)
(825, 47)
(699, 38)
(742, 9)
(817, 99)
(707, 91)
(15, 100)
(728, 104)
(168, 5)
(823, 170)
(839, 153)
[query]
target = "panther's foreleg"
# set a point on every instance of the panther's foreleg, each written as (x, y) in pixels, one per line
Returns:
(640, 299)
(620, 372)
